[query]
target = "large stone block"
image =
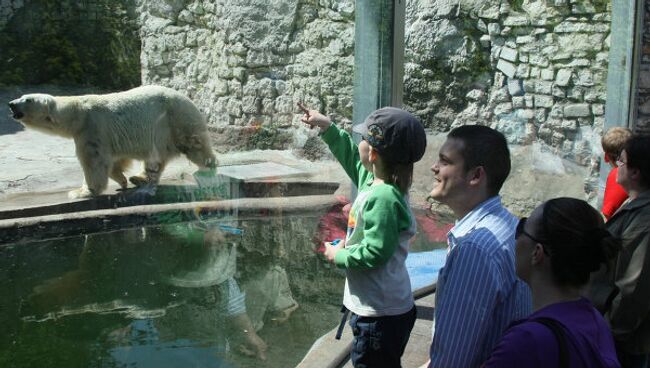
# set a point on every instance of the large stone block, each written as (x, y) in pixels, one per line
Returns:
(577, 110)
(507, 68)
(585, 78)
(598, 109)
(543, 101)
(508, 54)
(494, 29)
(518, 102)
(515, 87)
(538, 60)
(548, 74)
(544, 87)
(563, 77)
(516, 21)
(524, 39)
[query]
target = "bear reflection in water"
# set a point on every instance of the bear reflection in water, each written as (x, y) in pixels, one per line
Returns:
(176, 287)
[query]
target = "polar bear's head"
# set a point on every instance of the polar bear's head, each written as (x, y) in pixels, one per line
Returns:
(34, 110)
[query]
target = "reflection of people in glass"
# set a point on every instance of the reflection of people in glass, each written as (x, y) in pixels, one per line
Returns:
(213, 274)
(176, 288)
(213, 308)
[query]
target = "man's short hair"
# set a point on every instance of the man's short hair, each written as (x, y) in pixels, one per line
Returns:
(484, 146)
(613, 141)
(637, 150)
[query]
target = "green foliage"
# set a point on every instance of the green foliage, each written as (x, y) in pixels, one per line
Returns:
(72, 43)
(516, 5)
(601, 6)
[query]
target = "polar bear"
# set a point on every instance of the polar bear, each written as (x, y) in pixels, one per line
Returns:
(149, 123)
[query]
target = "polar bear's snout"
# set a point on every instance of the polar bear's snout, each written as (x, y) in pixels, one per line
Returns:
(15, 110)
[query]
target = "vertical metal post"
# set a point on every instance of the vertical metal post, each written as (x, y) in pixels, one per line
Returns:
(622, 72)
(378, 56)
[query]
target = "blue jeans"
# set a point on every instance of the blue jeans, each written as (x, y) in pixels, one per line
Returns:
(380, 341)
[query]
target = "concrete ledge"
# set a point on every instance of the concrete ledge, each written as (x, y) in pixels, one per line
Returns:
(75, 223)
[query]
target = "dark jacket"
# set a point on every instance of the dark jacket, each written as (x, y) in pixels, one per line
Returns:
(623, 293)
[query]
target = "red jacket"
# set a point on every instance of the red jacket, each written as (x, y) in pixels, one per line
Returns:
(614, 195)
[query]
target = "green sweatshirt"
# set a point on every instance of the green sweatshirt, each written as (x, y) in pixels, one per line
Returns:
(379, 228)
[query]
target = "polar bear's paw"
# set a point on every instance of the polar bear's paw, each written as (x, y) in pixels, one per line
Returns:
(139, 180)
(82, 192)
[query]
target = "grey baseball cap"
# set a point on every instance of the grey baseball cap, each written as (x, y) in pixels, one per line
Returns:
(397, 134)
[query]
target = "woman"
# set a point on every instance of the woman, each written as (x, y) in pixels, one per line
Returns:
(557, 248)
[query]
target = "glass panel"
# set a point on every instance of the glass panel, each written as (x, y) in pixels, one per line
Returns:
(218, 264)
(534, 70)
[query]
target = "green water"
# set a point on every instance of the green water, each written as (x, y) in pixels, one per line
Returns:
(110, 300)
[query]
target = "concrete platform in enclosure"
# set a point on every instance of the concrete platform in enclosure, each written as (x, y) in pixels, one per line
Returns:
(328, 352)
(37, 169)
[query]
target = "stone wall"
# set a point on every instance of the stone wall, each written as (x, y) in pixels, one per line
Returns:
(535, 70)
(643, 113)
(247, 63)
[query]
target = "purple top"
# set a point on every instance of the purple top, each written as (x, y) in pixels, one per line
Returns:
(531, 344)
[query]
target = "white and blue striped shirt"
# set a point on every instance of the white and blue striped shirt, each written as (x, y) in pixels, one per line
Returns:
(478, 292)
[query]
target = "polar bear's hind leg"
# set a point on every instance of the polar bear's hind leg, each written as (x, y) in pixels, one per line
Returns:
(151, 175)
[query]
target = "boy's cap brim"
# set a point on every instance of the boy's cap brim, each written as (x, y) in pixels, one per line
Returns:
(361, 128)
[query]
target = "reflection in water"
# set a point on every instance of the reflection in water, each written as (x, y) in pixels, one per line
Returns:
(161, 297)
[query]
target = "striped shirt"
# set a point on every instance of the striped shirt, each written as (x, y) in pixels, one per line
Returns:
(478, 292)
(234, 302)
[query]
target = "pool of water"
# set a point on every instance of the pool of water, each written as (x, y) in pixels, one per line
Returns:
(245, 293)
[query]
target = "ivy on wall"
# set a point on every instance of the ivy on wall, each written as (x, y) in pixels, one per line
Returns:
(88, 43)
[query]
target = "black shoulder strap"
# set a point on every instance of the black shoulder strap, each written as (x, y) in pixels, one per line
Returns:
(558, 331)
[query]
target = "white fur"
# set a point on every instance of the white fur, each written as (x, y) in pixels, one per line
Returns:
(150, 123)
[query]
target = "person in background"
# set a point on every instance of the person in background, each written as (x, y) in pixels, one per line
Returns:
(380, 224)
(478, 293)
(557, 248)
(622, 292)
(613, 141)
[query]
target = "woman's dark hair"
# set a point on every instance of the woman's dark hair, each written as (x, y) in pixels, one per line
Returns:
(400, 175)
(575, 236)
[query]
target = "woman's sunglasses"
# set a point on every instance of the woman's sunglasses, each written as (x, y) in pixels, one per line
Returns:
(519, 231)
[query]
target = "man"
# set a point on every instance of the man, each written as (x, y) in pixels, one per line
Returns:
(627, 303)
(478, 293)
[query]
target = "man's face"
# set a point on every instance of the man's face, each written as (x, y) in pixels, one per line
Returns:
(450, 179)
(623, 174)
